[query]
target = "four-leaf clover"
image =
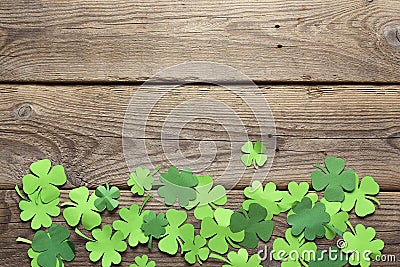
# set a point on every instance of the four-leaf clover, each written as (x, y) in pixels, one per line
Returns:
(196, 250)
(107, 197)
(154, 226)
(141, 180)
(254, 154)
(143, 262)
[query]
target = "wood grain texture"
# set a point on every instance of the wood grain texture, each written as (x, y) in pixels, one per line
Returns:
(121, 40)
(386, 221)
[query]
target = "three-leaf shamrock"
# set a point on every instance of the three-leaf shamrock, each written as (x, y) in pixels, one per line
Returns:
(362, 197)
(338, 222)
(219, 232)
(293, 250)
(53, 247)
(331, 258)
(308, 219)
(362, 246)
(253, 224)
(106, 246)
(334, 179)
(45, 180)
(143, 262)
(176, 232)
(295, 194)
(268, 197)
(141, 180)
(107, 197)
(196, 250)
(154, 226)
(254, 154)
(239, 259)
(177, 185)
(82, 209)
(207, 198)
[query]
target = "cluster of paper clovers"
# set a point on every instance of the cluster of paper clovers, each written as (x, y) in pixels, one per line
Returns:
(222, 229)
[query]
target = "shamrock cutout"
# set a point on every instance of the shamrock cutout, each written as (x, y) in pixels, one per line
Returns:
(141, 180)
(53, 247)
(196, 250)
(332, 258)
(34, 255)
(82, 209)
(338, 222)
(295, 194)
(154, 226)
(255, 154)
(143, 262)
(239, 259)
(107, 197)
(177, 185)
(362, 197)
(45, 180)
(219, 232)
(106, 246)
(40, 213)
(208, 197)
(176, 232)
(308, 219)
(253, 224)
(361, 246)
(293, 250)
(334, 179)
(268, 198)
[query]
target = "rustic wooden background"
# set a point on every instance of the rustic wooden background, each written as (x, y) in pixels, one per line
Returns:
(329, 69)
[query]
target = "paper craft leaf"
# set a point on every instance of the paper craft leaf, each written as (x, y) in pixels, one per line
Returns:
(131, 224)
(295, 194)
(338, 218)
(253, 224)
(254, 154)
(331, 258)
(40, 213)
(334, 179)
(207, 198)
(308, 219)
(45, 180)
(362, 197)
(154, 226)
(240, 259)
(140, 181)
(53, 247)
(196, 250)
(107, 197)
(82, 209)
(362, 241)
(218, 230)
(177, 185)
(106, 246)
(143, 262)
(268, 198)
(176, 232)
(34, 255)
(293, 250)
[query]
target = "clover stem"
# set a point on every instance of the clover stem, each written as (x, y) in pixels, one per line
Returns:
(78, 232)
(24, 240)
(19, 193)
(213, 205)
(374, 199)
(218, 257)
(144, 203)
(303, 262)
(351, 227)
(334, 229)
(68, 204)
(243, 211)
(155, 171)
(199, 260)
(232, 244)
(180, 244)
(150, 244)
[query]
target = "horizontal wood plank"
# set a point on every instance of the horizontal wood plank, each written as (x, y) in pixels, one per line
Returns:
(121, 40)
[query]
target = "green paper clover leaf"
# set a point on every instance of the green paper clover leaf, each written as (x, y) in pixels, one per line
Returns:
(294, 250)
(40, 213)
(143, 262)
(176, 232)
(268, 198)
(107, 197)
(308, 219)
(208, 197)
(331, 258)
(361, 246)
(338, 220)
(239, 259)
(44, 179)
(154, 226)
(334, 179)
(295, 194)
(82, 209)
(196, 250)
(34, 255)
(255, 154)
(362, 197)
(53, 247)
(130, 225)
(141, 180)
(218, 230)
(177, 185)
(253, 224)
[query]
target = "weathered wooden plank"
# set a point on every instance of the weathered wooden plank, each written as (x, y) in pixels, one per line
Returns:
(121, 40)
(386, 221)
